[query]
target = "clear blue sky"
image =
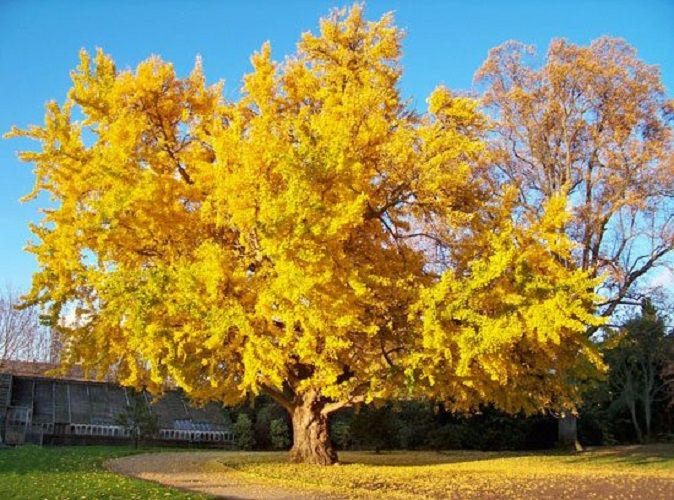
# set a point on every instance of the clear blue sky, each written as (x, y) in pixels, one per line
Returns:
(446, 42)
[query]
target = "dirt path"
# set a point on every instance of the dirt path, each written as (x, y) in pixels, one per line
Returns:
(197, 472)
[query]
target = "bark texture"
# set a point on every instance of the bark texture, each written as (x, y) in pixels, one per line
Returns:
(311, 438)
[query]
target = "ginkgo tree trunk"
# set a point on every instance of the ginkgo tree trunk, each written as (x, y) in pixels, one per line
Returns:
(317, 239)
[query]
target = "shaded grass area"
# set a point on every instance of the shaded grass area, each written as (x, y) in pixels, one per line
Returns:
(651, 459)
(628, 471)
(76, 472)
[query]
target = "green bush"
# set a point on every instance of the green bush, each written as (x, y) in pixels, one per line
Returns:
(447, 437)
(376, 428)
(416, 419)
(340, 433)
(280, 434)
(243, 430)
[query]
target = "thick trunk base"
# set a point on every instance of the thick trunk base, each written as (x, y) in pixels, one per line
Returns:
(567, 433)
(311, 438)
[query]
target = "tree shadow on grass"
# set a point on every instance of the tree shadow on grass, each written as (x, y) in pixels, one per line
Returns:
(634, 455)
(627, 455)
(421, 458)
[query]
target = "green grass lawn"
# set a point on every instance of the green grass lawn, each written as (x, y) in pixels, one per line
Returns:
(75, 472)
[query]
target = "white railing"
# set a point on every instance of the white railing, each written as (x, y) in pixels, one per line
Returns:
(191, 435)
(119, 431)
(99, 430)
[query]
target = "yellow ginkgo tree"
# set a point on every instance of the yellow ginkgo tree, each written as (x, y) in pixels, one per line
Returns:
(317, 240)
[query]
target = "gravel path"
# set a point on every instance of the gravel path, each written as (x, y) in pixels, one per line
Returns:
(198, 472)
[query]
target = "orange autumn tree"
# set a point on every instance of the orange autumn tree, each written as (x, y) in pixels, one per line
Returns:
(593, 124)
(316, 240)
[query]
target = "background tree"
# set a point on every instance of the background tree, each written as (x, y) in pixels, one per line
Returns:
(280, 434)
(638, 354)
(263, 411)
(668, 376)
(340, 432)
(243, 430)
(137, 419)
(417, 419)
(594, 125)
(375, 427)
(316, 240)
(22, 336)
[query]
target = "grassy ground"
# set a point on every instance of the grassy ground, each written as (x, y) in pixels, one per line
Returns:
(31, 472)
(626, 472)
(77, 473)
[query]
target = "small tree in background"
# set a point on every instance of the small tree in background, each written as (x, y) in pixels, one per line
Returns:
(243, 429)
(22, 336)
(138, 420)
(280, 434)
(638, 355)
(340, 433)
(264, 411)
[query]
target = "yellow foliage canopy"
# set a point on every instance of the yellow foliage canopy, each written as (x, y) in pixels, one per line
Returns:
(317, 236)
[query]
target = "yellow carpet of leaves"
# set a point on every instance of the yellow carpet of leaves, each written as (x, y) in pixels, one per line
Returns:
(618, 472)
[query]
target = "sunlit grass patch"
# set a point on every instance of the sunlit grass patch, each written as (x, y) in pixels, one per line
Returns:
(31, 472)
